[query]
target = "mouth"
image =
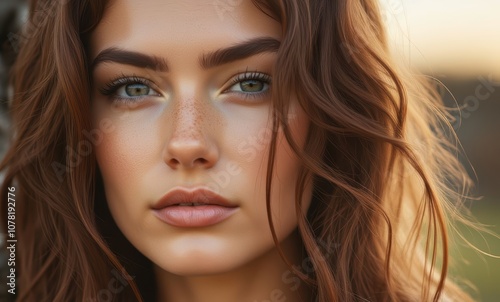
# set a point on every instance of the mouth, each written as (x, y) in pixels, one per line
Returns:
(190, 204)
(199, 207)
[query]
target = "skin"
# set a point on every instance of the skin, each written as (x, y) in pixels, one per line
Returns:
(196, 128)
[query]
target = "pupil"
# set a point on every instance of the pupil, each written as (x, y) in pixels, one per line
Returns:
(251, 86)
(137, 90)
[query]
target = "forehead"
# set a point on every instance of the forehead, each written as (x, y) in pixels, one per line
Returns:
(187, 25)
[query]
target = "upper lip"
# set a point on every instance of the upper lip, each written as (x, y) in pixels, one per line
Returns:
(196, 195)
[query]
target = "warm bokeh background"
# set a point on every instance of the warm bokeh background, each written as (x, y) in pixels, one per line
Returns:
(456, 41)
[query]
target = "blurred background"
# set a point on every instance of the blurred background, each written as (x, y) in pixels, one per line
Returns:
(458, 43)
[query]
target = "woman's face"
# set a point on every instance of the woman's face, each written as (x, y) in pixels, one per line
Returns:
(181, 103)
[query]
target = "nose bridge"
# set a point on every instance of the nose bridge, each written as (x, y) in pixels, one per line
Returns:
(190, 142)
(188, 119)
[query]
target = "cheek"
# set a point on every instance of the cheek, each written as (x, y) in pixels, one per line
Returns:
(252, 150)
(120, 156)
(124, 156)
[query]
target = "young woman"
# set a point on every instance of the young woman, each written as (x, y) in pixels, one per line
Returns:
(228, 150)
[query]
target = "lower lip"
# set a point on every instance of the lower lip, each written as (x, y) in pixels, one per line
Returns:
(194, 216)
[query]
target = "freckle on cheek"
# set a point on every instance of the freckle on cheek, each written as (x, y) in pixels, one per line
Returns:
(120, 152)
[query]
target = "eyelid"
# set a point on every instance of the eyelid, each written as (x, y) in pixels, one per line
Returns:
(248, 75)
(112, 86)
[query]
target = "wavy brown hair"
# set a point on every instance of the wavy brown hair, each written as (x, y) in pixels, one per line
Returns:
(377, 150)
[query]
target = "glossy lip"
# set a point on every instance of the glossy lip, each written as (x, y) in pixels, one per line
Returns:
(211, 210)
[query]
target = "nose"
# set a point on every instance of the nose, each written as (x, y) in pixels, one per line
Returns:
(190, 144)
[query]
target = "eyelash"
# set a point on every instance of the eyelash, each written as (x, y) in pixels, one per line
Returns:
(112, 87)
(248, 76)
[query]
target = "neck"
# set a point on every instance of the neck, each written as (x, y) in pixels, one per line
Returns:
(265, 279)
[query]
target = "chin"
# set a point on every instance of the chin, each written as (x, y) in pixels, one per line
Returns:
(201, 266)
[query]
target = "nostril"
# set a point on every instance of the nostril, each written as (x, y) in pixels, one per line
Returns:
(202, 161)
(173, 162)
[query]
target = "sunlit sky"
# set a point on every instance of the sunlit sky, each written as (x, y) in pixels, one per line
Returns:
(459, 37)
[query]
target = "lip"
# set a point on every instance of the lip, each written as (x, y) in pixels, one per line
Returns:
(212, 208)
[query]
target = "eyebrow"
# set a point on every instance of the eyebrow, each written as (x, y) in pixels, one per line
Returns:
(133, 58)
(209, 60)
(239, 51)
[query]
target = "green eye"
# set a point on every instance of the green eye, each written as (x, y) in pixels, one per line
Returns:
(135, 90)
(250, 83)
(252, 86)
(130, 90)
